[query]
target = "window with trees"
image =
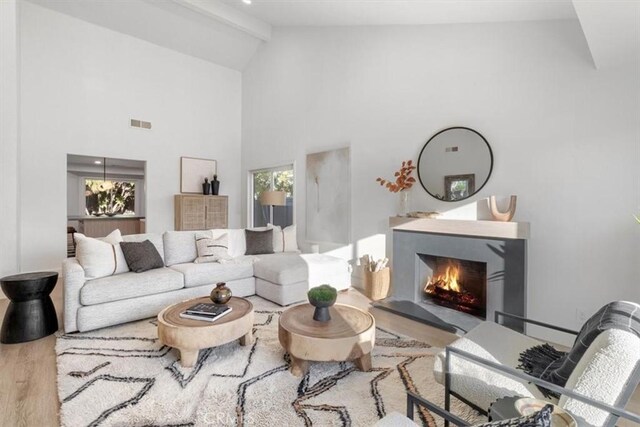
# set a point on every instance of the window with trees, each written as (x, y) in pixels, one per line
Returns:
(272, 179)
(109, 197)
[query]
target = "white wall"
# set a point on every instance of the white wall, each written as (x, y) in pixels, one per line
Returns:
(564, 135)
(80, 84)
(73, 195)
(9, 136)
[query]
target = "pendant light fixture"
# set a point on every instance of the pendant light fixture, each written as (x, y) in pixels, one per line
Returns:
(105, 185)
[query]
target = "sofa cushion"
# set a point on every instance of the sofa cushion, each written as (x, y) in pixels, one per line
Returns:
(154, 238)
(282, 268)
(180, 246)
(130, 285)
(288, 268)
(213, 272)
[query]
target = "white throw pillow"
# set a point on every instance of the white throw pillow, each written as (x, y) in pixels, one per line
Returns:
(278, 237)
(237, 241)
(290, 239)
(100, 257)
(212, 250)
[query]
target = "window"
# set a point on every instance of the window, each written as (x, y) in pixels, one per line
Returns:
(109, 197)
(272, 179)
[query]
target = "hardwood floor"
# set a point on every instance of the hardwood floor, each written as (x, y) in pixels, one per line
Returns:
(28, 393)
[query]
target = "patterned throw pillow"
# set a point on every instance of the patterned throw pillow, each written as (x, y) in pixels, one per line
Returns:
(284, 239)
(141, 256)
(212, 250)
(259, 242)
(100, 257)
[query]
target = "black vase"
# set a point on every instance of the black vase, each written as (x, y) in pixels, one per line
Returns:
(215, 185)
(206, 188)
(321, 312)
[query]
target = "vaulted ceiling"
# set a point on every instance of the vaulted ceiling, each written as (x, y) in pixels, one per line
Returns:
(400, 12)
(228, 32)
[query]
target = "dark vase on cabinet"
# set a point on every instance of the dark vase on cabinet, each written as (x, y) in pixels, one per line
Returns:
(206, 187)
(215, 186)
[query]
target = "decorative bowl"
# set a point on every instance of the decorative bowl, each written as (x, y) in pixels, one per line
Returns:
(559, 417)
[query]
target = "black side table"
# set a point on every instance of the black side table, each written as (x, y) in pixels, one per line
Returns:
(31, 314)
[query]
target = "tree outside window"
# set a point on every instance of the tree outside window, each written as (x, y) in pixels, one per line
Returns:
(109, 197)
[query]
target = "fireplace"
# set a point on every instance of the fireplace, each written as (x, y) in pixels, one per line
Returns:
(455, 283)
(454, 274)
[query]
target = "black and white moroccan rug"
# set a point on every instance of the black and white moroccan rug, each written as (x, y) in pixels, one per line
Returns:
(123, 376)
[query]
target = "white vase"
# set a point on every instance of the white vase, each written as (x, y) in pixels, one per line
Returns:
(403, 203)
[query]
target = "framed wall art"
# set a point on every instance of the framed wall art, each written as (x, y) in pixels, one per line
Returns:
(193, 171)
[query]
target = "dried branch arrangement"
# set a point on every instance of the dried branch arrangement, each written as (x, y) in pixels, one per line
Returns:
(369, 264)
(404, 180)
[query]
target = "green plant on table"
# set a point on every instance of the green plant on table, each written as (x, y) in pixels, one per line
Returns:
(322, 293)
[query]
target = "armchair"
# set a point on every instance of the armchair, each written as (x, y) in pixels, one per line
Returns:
(479, 368)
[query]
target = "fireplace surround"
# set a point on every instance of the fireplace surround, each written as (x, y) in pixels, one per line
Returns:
(490, 259)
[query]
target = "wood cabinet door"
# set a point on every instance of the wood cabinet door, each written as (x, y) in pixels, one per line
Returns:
(216, 212)
(192, 213)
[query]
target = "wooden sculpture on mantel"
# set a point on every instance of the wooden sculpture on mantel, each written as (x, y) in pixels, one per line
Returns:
(502, 216)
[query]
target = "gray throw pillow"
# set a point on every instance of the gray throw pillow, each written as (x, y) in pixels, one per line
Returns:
(259, 242)
(141, 256)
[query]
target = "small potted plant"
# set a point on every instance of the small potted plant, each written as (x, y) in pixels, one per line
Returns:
(322, 297)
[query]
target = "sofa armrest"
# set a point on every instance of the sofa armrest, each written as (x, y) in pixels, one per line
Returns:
(73, 279)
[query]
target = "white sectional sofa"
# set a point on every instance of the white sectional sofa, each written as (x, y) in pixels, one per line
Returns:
(283, 278)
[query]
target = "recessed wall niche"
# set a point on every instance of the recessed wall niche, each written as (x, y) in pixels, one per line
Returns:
(104, 194)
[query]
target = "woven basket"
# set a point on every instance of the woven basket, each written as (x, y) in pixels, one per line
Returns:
(377, 284)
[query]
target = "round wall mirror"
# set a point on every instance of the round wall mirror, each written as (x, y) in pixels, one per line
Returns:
(455, 164)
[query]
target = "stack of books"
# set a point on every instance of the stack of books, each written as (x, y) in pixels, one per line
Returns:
(206, 312)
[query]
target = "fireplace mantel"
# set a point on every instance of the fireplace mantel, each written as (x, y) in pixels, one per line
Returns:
(471, 228)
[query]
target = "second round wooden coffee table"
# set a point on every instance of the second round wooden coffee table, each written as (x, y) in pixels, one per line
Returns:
(190, 336)
(349, 335)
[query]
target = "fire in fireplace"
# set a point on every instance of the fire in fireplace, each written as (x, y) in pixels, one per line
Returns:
(458, 284)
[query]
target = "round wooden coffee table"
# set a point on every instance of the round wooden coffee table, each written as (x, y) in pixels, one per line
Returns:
(349, 335)
(191, 336)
